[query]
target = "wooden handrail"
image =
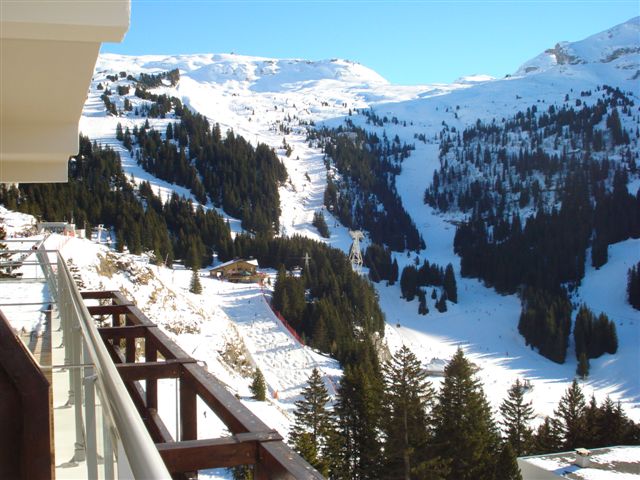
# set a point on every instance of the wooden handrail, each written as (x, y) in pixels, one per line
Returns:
(251, 443)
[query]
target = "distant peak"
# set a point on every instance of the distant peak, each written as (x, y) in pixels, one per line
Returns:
(620, 44)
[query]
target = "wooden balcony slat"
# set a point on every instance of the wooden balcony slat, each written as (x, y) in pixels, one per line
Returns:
(253, 443)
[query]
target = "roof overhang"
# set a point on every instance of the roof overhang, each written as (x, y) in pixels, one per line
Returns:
(48, 50)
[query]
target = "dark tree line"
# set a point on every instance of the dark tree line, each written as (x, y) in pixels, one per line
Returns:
(321, 224)
(451, 434)
(150, 80)
(593, 337)
(545, 322)
(378, 260)
(429, 274)
(364, 196)
(576, 423)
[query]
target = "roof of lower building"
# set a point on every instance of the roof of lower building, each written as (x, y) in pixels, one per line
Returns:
(610, 463)
(237, 260)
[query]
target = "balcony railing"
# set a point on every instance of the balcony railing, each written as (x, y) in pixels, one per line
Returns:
(112, 397)
(96, 393)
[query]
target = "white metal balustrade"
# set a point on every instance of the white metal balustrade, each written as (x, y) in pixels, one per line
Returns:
(109, 438)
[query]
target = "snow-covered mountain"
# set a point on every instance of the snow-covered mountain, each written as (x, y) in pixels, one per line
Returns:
(268, 100)
(617, 46)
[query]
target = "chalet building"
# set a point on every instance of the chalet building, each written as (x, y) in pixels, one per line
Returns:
(238, 271)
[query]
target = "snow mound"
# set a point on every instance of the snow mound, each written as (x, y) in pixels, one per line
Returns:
(17, 224)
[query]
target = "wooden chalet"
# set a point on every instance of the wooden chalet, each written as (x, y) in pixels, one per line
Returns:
(238, 271)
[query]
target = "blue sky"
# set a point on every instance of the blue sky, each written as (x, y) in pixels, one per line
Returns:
(407, 42)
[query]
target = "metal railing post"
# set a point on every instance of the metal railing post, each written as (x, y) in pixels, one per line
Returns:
(109, 472)
(76, 374)
(90, 424)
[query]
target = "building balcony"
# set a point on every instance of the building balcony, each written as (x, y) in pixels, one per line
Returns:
(96, 360)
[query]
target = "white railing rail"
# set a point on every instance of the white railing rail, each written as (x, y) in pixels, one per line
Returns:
(91, 367)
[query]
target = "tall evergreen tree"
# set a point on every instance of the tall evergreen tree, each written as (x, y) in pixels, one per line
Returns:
(633, 286)
(548, 436)
(516, 416)
(583, 366)
(507, 466)
(409, 282)
(570, 414)
(5, 271)
(464, 429)
(407, 402)
(441, 304)
(422, 305)
(450, 284)
(613, 427)
(357, 453)
(394, 272)
(313, 426)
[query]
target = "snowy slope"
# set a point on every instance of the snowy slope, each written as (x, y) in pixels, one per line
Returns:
(225, 317)
(266, 100)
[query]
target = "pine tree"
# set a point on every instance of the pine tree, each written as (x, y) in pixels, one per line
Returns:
(4, 256)
(258, 387)
(611, 337)
(357, 451)
(516, 416)
(613, 427)
(548, 437)
(591, 426)
(279, 288)
(633, 286)
(320, 223)
(615, 127)
(313, 425)
(195, 286)
(409, 282)
(583, 366)
(570, 413)
(407, 400)
(422, 305)
(465, 432)
(242, 472)
(441, 304)
(450, 284)
(507, 466)
(394, 272)
(599, 252)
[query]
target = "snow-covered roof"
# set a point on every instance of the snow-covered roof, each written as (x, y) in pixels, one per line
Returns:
(615, 463)
(237, 260)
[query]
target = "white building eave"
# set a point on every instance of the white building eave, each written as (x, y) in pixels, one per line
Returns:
(48, 51)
